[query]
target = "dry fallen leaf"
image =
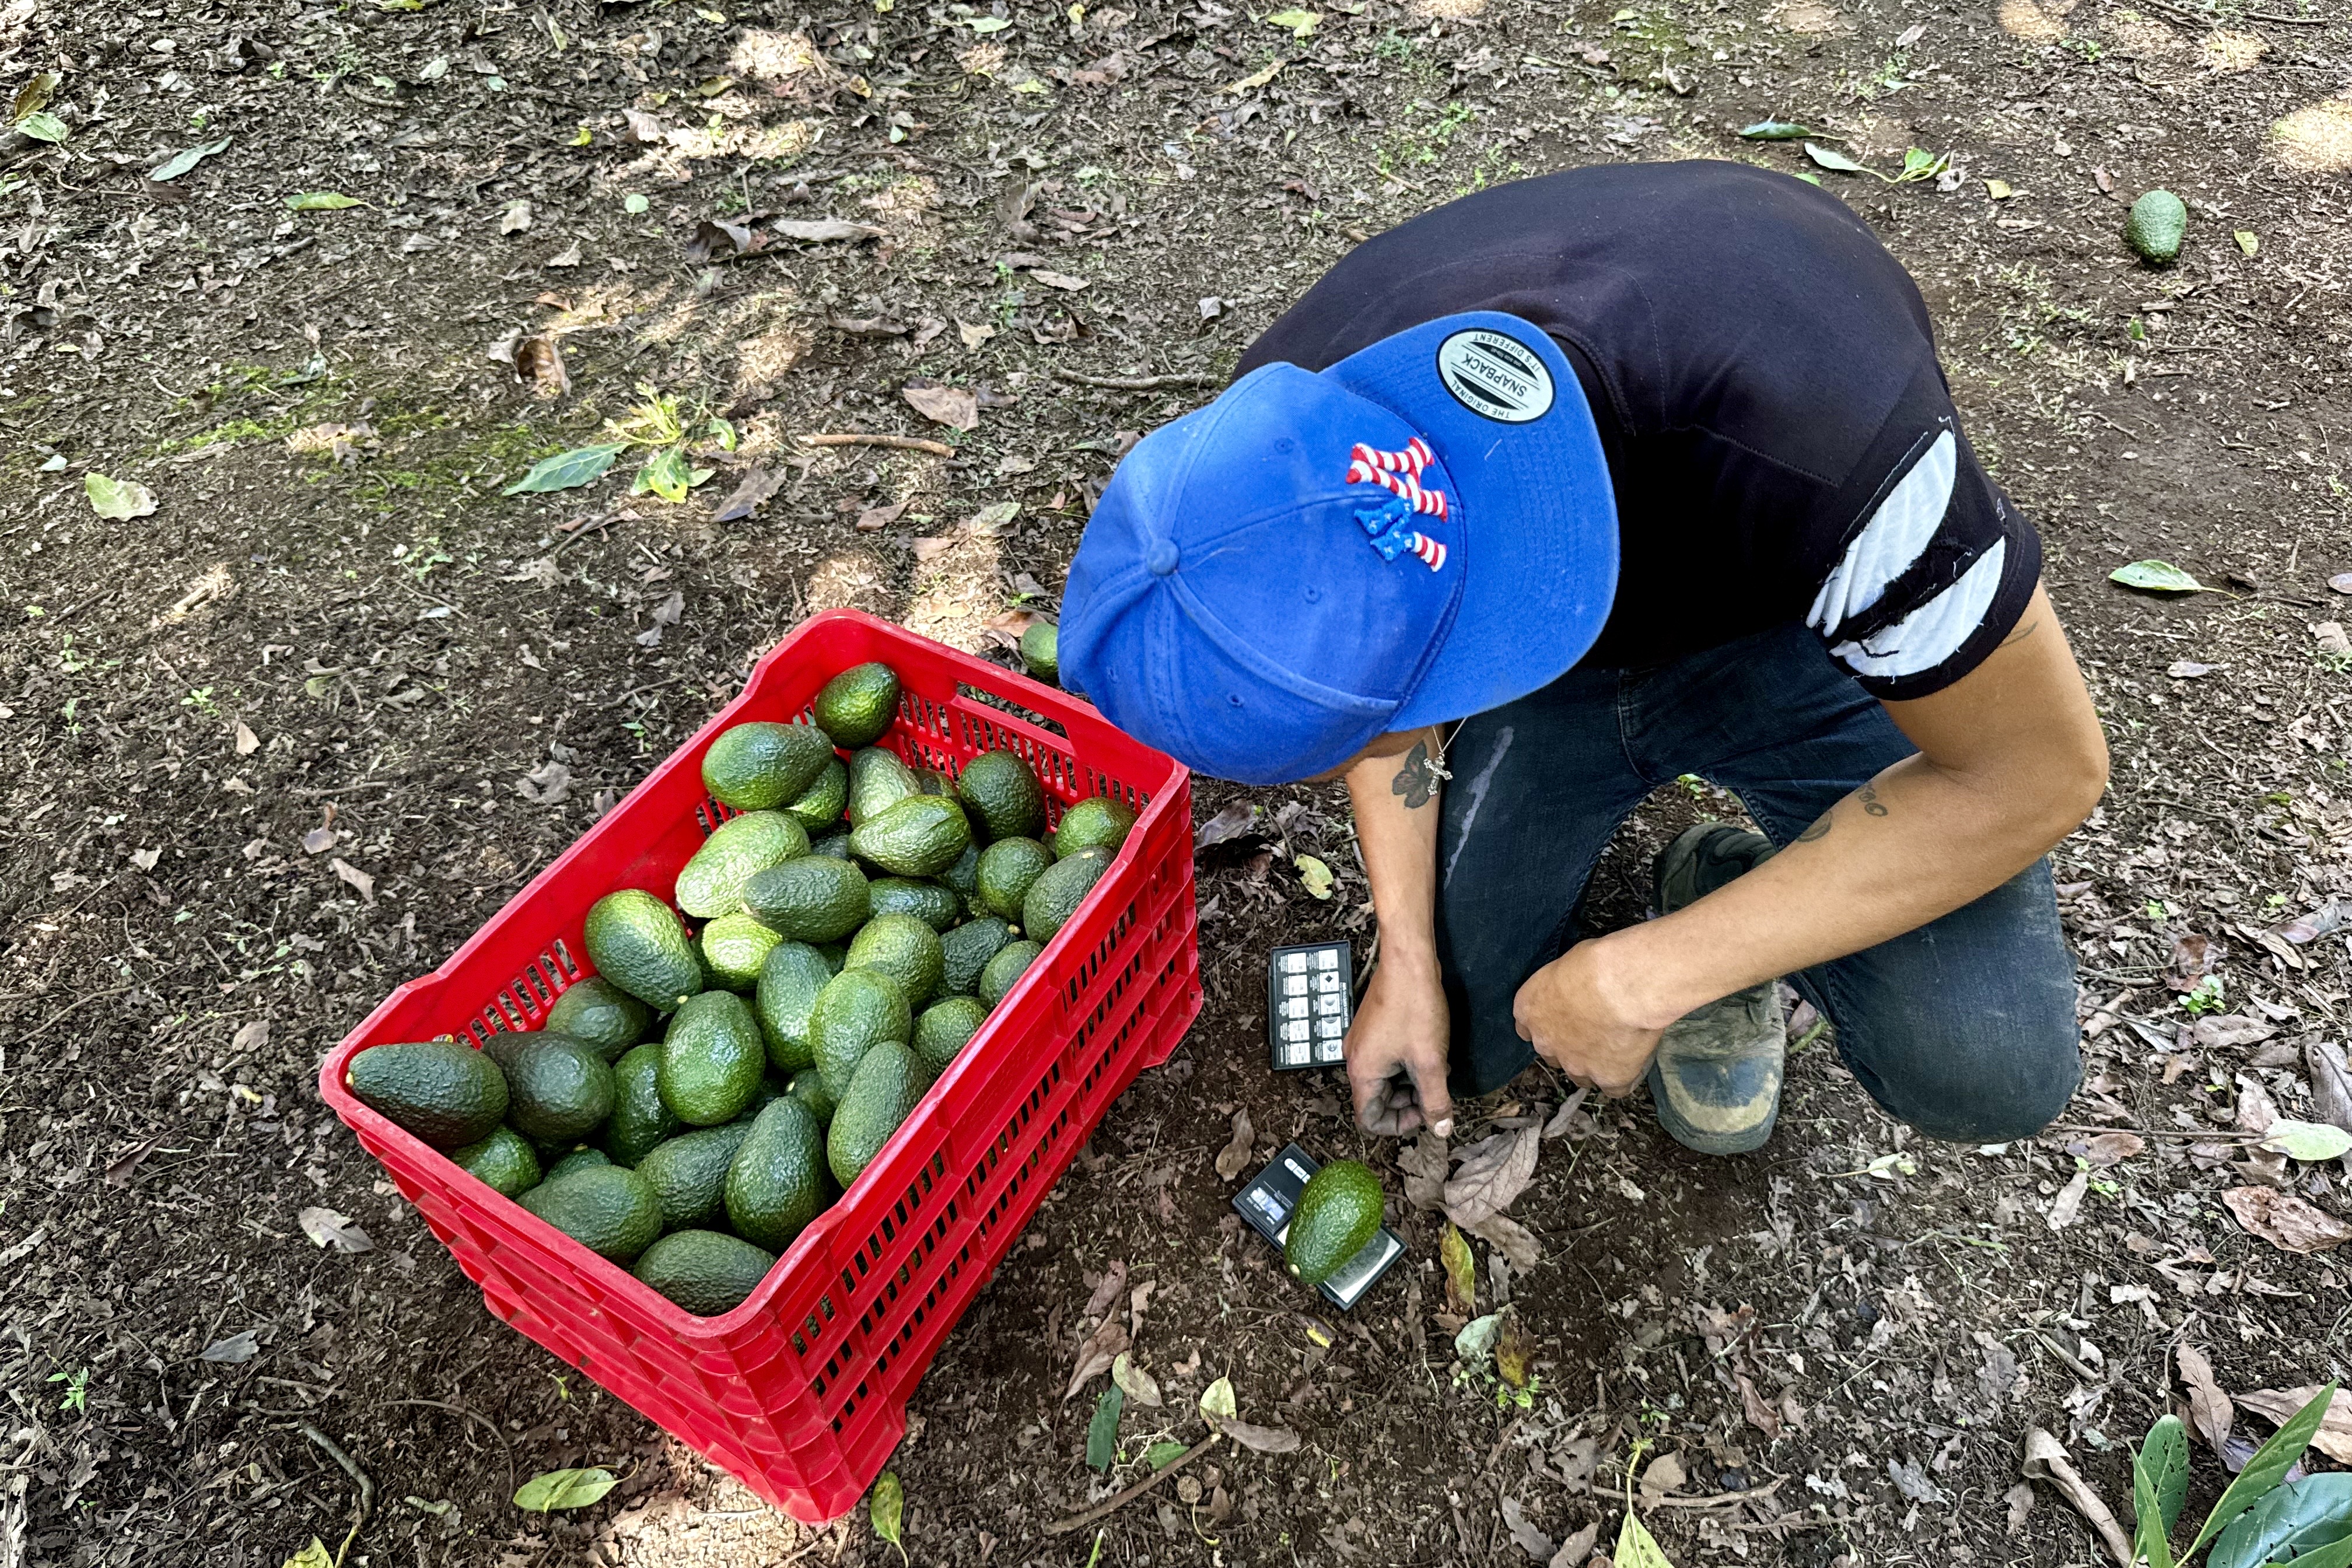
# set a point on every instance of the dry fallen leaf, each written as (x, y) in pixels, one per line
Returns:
(247, 743)
(1104, 1346)
(1495, 1171)
(1760, 1416)
(1577, 1550)
(352, 875)
(1231, 823)
(2286, 1221)
(1236, 1155)
(1264, 1439)
(2046, 1461)
(2210, 1410)
(821, 229)
(2113, 1148)
(1461, 1272)
(749, 496)
(1663, 1477)
(1424, 1166)
(539, 365)
(875, 518)
(1107, 1289)
(235, 1349)
(2331, 1083)
(2334, 1435)
(956, 407)
(550, 783)
(325, 1227)
(1512, 1239)
(1138, 1385)
(318, 841)
(1530, 1539)
(2068, 1203)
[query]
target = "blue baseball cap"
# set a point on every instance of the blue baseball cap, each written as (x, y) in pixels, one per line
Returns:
(1422, 531)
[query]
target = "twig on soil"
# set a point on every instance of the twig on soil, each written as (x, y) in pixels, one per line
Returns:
(2225, 1134)
(60, 1015)
(897, 443)
(1137, 383)
(1720, 1500)
(367, 1486)
(1112, 1505)
(591, 526)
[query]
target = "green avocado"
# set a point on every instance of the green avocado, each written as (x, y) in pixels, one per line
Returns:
(1006, 870)
(1041, 652)
(821, 804)
(963, 879)
(1098, 822)
(929, 902)
(813, 898)
(597, 1013)
(712, 1059)
(878, 781)
(880, 1095)
(608, 1209)
(504, 1162)
(786, 1001)
(1002, 795)
(832, 847)
(1010, 962)
(2157, 223)
(712, 882)
(905, 949)
(688, 1174)
(808, 1087)
(578, 1160)
(858, 1010)
(1338, 1212)
(559, 1090)
(640, 1122)
(965, 951)
(1058, 892)
(775, 1185)
(708, 1272)
(919, 836)
(638, 943)
(448, 1094)
(761, 767)
(945, 1028)
(857, 705)
(734, 947)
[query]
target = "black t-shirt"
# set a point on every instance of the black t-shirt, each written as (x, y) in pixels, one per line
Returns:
(1780, 436)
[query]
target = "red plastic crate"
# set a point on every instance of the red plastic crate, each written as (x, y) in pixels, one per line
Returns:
(800, 1392)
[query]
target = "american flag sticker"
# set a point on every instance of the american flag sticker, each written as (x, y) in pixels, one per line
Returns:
(1398, 473)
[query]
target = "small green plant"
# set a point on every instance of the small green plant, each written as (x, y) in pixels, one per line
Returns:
(77, 1391)
(2205, 998)
(2261, 1518)
(201, 700)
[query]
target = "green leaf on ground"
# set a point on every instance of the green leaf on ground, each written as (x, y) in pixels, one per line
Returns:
(983, 25)
(635, 205)
(2157, 577)
(180, 163)
(1217, 1401)
(314, 1555)
(2166, 1456)
(667, 475)
(2309, 1140)
(1637, 1548)
(1102, 1432)
(1831, 158)
(2151, 1531)
(552, 1489)
(1315, 876)
(2267, 1467)
(1300, 23)
(887, 1506)
(42, 126)
(321, 202)
(1775, 131)
(2308, 1522)
(566, 470)
(117, 499)
(1159, 1455)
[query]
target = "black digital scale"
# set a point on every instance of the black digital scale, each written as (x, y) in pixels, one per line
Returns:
(1266, 1202)
(1309, 1003)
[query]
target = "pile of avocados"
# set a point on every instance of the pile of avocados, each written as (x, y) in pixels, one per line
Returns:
(722, 1077)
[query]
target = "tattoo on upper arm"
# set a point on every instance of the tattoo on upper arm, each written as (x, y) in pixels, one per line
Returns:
(1819, 830)
(2023, 632)
(1868, 796)
(1417, 780)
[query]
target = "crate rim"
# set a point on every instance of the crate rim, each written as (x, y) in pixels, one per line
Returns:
(368, 1124)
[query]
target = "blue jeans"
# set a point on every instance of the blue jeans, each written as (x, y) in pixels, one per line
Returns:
(1965, 1027)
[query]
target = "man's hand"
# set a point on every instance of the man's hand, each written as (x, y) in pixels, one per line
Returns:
(1573, 1014)
(1401, 1023)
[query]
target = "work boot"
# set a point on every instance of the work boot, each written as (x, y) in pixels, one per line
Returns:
(1715, 1080)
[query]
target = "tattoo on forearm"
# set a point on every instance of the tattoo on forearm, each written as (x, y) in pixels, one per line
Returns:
(1868, 796)
(1819, 830)
(1418, 780)
(2021, 633)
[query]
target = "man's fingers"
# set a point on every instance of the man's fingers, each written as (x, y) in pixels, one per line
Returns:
(1436, 1104)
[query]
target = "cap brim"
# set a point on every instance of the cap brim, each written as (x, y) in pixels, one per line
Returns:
(1538, 534)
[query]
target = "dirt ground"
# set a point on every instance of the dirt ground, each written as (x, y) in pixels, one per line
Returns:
(287, 738)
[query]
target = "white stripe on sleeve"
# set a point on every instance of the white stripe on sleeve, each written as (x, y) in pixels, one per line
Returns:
(1891, 541)
(1935, 631)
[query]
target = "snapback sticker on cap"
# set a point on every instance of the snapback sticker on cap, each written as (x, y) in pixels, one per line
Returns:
(1494, 375)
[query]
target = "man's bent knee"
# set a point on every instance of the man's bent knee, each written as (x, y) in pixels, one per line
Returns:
(1987, 1092)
